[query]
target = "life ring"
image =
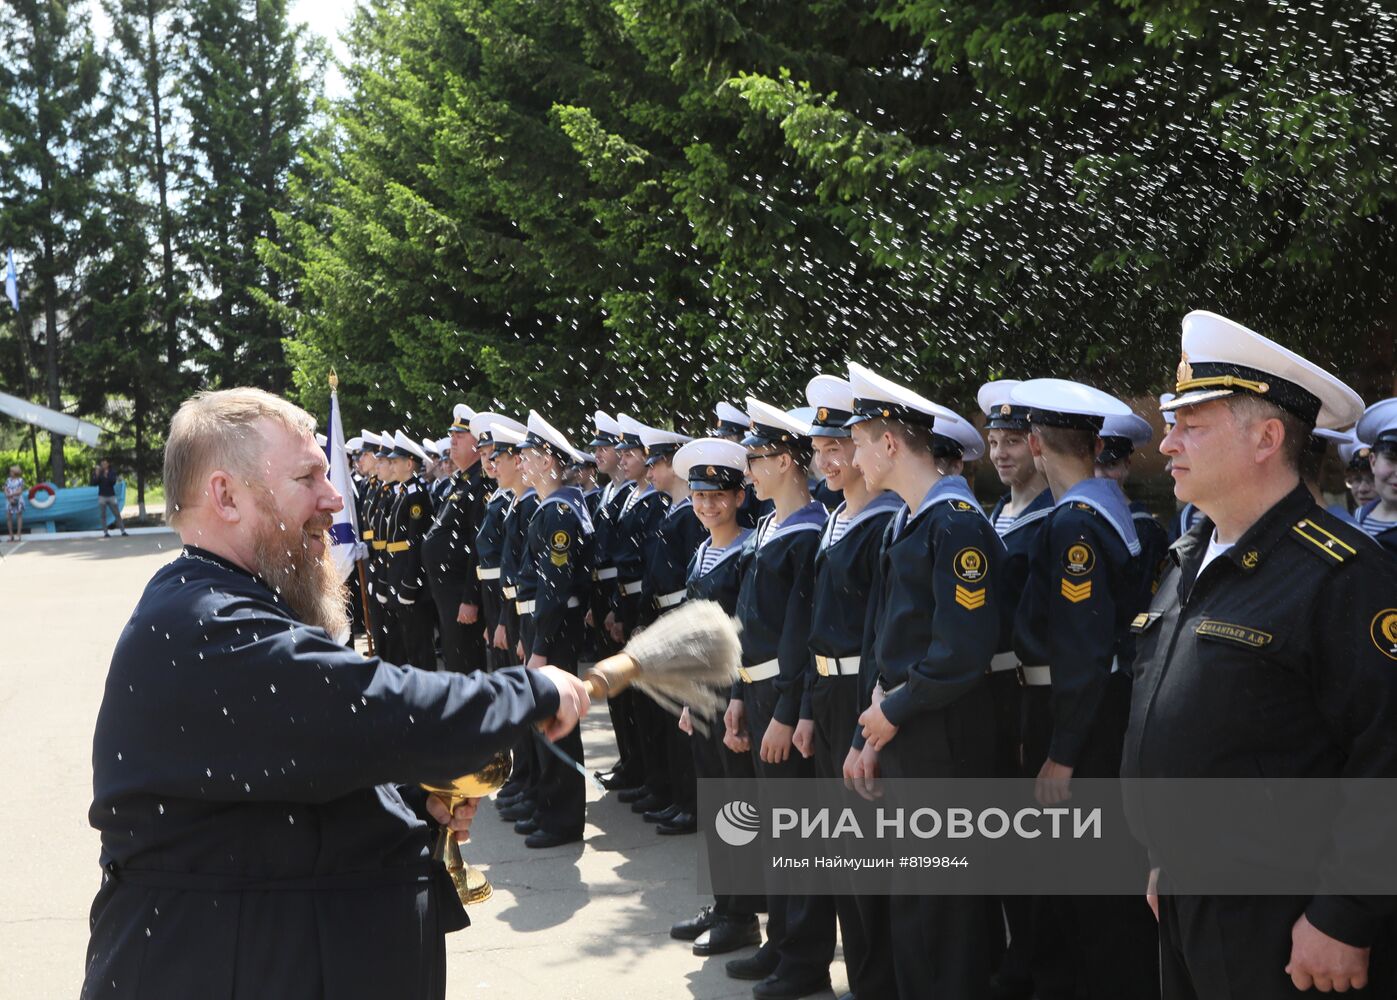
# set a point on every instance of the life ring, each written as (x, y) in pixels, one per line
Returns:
(42, 496)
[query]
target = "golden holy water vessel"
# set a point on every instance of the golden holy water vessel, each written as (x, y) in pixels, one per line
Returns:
(471, 885)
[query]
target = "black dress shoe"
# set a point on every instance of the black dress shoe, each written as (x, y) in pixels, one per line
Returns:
(619, 781)
(758, 966)
(526, 826)
(678, 824)
(783, 988)
(651, 803)
(688, 930)
(662, 815)
(522, 809)
(728, 934)
(633, 794)
(547, 838)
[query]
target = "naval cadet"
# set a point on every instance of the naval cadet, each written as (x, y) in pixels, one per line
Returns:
(632, 538)
(772, 696)
(1071, 633)
(1377, 430)
(1017, 516)
(666, 574)
(555, 581)
(1121, 436)
(256, 784)
(1270, 650)
(489, 537)
(846, 565)
(934, 626)
(715, 471)
(410, 604)
(731, 424)
(1358, 471)
(449, 550)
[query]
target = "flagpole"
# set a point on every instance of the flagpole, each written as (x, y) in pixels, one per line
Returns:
(358, 563)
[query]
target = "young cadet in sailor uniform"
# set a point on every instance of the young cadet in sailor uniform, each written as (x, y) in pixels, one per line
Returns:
(1120, 437)
(1017, 517)
(1358, 471)
(714, 470)
(1084, 588)
(1378, 431)
(386, 639)
(771, 697)
(934, 625)
(409, 601)
(449, 550)
(626, 776)
(731, 425)
(489, 537)
(555, 581)
(666, 575)
(367, 499)
(1270, 650)
(846, 564)
(632, 539)
(520, 792)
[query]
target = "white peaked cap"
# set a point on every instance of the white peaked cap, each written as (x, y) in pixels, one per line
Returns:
(444, 445)
(511, 433)
(1379, 422)
(1222, 358)
(354, 444)
(730, 414)
(653, 436)
(630, 426)
(766, 415)
(1169, 415)
(963, 433)
(1131, 426)
(1060, 395)
(993, 395)
(606, 423)
(369, 437)
(483, 423)
(405, 443)
(461, 415)
(550, 435)
(831, 392)
(873, 388)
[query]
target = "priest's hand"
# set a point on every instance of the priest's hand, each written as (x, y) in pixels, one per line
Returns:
(573, 702)
(459, 821)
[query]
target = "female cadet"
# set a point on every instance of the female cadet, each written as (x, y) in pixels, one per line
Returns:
(846, 564)
(666, 573)
(490, 537)
(555, 580)
(714, 470)
(771, 697)
(935, 624)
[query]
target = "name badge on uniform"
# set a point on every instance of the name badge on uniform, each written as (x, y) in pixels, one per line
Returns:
(1243, 635)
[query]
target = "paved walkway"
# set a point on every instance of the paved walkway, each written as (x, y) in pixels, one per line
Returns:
(586, 922)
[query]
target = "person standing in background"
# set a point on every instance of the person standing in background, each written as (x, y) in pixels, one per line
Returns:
(104, 477)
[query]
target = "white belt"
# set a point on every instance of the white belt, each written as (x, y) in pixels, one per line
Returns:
(1043, 676)
(481, 573)
(1003, 661)
(836, 666)
(671, 599)
(631, 588)
(609, 573)
(527, 607)
(509, 591)
(761, 672)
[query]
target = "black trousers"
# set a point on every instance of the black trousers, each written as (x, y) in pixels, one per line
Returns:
(491, 611)
(1237, 947)
(713, 760)
(1097, 947)
(941, 944)
(651, 726)
(560, 792)
(1013, 955)
(461, 648)
(683, 779)
(800, 928)
(411, 632)
(865, 922)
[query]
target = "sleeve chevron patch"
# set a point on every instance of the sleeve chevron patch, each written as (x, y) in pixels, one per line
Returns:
(1076, 592)
(970, 598)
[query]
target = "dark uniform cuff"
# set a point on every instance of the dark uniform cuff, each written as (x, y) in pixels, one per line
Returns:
(1066, 747)
(1344, 918)
(787, 709)
(546, 699)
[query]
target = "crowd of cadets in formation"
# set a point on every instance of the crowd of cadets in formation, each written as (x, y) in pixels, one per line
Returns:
(494, 557)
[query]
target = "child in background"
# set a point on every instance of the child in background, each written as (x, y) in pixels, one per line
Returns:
(14, 503)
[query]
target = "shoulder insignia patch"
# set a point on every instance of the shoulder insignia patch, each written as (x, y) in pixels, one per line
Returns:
(454, 497)
(970, 598)
(1078, 505)
(558, 547)
(961, 505)
(971, 566)
(1384, 632)
(1079, 559)
(415, 511)
(1076, 592)
(1323, 540)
